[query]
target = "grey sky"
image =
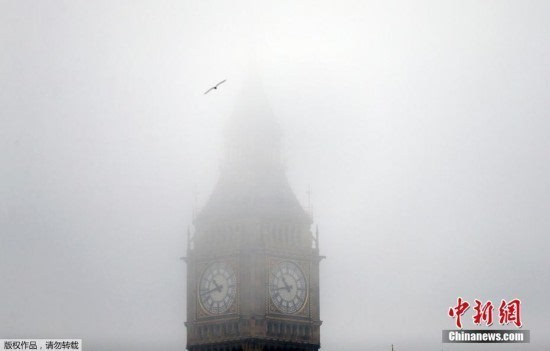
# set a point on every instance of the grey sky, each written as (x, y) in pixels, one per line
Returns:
(421, 127)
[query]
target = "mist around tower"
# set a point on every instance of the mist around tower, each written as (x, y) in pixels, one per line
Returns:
(274, 175)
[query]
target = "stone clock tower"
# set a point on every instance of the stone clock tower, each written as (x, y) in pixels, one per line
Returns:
(253, 261)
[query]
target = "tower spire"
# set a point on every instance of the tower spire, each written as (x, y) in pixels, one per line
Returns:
(252, 179)
(252, 132)
(253, 234)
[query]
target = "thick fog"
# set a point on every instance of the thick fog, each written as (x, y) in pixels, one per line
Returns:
(421, 128)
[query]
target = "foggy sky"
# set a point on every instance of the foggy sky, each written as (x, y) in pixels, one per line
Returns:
(421, 128)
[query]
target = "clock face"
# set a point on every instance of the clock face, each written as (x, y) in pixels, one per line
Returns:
(217, 288)
(287, 287)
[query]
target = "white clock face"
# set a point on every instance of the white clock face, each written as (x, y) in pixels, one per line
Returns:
(287, 287)
(217, 288)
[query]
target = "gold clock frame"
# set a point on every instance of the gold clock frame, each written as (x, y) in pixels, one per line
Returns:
(304, 266)
(201, 311)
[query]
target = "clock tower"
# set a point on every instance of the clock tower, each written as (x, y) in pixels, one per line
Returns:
(253, 261)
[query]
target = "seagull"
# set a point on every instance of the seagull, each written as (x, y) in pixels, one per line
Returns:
(215, 86)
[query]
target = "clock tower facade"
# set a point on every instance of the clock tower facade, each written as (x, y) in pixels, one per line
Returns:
(253, 261)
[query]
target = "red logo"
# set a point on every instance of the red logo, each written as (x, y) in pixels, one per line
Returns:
(458, 311)
(483, 313)
(508, 312)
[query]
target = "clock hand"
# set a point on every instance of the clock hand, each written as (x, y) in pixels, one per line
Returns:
(209, 291)
(284, 282)
(219, 287)
(288, 287)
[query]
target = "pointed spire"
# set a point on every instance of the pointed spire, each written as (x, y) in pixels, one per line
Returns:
(252, 180)
(309, 204)
(188, 238)
(252, 134)
(317, 237)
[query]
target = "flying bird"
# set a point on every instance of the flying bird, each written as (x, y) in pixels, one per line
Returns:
(215, 86)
